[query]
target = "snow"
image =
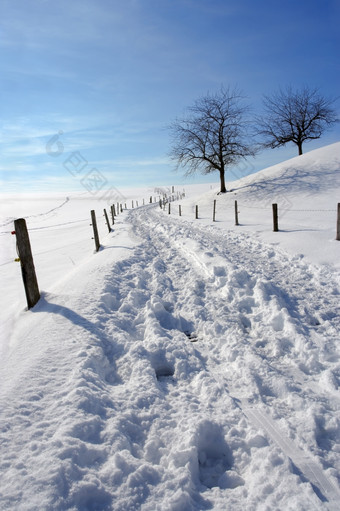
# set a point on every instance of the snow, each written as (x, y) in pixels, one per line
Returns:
(187, 365)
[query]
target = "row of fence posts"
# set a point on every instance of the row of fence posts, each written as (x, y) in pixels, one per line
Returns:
(275, 213)
(24, 250)
(25, 256)
(115, 210)
(25, 253)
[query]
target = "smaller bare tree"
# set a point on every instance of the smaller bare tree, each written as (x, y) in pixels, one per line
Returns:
(212, 136)
(295, 116)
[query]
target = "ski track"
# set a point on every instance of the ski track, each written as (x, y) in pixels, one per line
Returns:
(274, 288)
(208, 318)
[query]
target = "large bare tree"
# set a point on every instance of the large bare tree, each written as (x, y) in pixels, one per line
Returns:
(295, 116)
(212, 136)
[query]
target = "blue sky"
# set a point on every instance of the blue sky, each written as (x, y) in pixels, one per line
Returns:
(105, 78)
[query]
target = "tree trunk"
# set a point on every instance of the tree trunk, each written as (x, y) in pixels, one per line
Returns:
(223, 188)
(300, 148)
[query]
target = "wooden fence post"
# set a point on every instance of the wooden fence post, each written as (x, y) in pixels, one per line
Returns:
(338, 224)
(275, 218)
(236, 214)
(107, 220)
(95, 230)
(196, 214)
(180, 210)
(27, 265)
(169, 206)
(113, 214)
(150, 200)
(214, 211)
(121, 208)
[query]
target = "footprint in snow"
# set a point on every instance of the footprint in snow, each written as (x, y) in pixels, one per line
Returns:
(164, 371)
(191, 336)
(165, 376)
(215, 459)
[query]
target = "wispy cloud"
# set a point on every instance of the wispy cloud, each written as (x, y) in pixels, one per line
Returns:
(17, 167)
(131, 162)
(108, 75)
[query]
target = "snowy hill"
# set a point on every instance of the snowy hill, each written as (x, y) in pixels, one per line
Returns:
(306, 189)
(187, 365)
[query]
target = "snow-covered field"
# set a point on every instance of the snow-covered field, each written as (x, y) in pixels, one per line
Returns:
(187, 365)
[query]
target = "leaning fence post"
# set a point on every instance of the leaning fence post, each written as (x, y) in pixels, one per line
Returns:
(275, 218)
(338, 224)
(236, 214)
(113, 214)
(214, 211)
(26, 260)
(95, 230)
(107, 220)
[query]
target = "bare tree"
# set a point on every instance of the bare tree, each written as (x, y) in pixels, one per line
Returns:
(212, 136)
(295, 116)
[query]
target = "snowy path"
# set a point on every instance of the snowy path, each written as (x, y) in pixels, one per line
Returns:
(265, 304)
(197, 378)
